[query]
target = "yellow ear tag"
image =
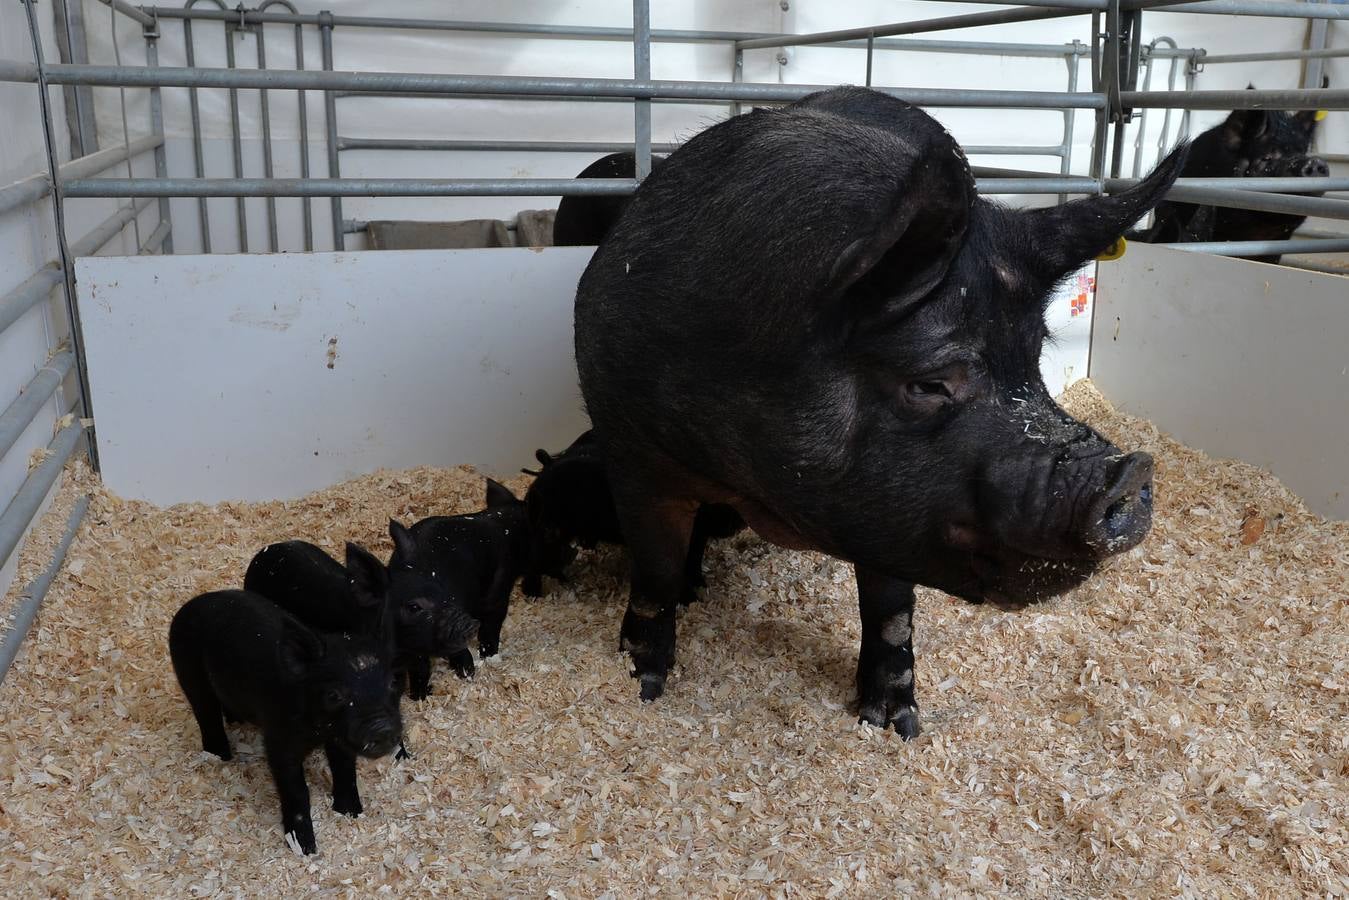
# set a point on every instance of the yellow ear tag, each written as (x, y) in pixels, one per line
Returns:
(1321, 115)
(1114, 251)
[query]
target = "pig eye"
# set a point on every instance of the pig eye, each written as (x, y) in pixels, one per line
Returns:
(929, 388)
(333, 698)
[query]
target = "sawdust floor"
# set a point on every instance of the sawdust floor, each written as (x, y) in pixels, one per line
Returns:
(1176, 726)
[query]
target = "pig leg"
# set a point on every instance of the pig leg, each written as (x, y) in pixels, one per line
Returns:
(885, 665)
(657, 532)
(342, 765)
(206, 706)
(288, 772)
(419, 677)
(693, 566)
(493, 611)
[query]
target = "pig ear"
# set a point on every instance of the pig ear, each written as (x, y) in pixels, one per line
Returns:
(404, 545)
(499, 495)
(544, 458)
(1064, 237)
(300, 649)
(1245, 125)
(909, 250)
(368, 578)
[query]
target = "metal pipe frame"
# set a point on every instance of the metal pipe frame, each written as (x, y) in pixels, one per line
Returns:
(157, 126)
(30, 599)
(29, 294)
(1266, 248)
(40, 388)
(1323, 207)
(452, 187)
(1278, 9)
(110, 227)
(20, 512)
(325, 23)
(405, 83)
(146, 20)
(431, 144)
(35, 187)
(641, 71)
(1275, 56)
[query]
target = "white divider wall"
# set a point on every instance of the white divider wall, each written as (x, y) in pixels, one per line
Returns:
(1236, 358)
(264, 377)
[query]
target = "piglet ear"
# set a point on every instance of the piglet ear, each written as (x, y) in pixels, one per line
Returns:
(907, 251)
(1062, 238)
(368, 578)
(544, 458)
(404, 544)
(299, 651)
(499, 495)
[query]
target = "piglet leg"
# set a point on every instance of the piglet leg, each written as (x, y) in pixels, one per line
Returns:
(342, 765)
(288, 772)
(885, 669)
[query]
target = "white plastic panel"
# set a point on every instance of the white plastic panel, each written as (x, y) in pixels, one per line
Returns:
(1240, 359)
(265, 377)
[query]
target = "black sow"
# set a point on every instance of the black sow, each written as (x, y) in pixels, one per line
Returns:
(808, 314)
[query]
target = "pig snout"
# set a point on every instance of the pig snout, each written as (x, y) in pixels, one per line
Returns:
(454, 629)
(1313, 167)
(378, 735)
(1120, 514)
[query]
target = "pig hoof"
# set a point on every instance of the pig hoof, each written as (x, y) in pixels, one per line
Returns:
(222, 751)
(532, 586)
(348, 806)
(230, 717)
(402, 753)
(906, 723)
(489, 648)
(303, 836)
(419, 692)
(653, 685)
(463, 664)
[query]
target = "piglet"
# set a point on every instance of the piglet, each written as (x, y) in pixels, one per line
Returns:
(570, 503)
(472, 560)
(320, 592)
(238, 655)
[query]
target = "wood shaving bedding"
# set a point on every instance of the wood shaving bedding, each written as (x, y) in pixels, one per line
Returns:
(1176, 726)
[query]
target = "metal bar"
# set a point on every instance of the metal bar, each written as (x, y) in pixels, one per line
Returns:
(1099, 128)
(1266, 248)
(1276, 55)
(37, 186)
(306, 207)
(945, 23)
(1276, 99)
(157, 125)
(589, 32)
(65, 253)
(73, 44)
(130, 12)
(452, 187)
(641, 71)
(1315, 267)
(871, 50)
(30, 600)
(1273, 185)
(21, 413)
(347, 143)
(197, 154)
(737, 76)
(110, 227)
(29, 294)
(1317, 39)
(108, 157)
(19, 514)
(1324, 207)
(236, 141)
(24, 191)
(405, 83)
(1275, 8)
(330, 123)
(156, 238)
(267, 170)
(1065, 153)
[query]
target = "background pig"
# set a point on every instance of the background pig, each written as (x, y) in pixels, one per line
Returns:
(1250, 143)
(472, 561)
(843, 344)
(317, 590)
(584, 221)
(570, 503)
(239, 654)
